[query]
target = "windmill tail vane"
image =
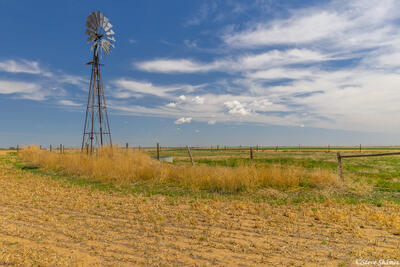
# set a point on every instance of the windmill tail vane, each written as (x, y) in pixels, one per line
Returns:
(96, 132)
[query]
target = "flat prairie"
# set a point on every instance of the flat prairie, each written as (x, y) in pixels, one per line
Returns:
(48, 220)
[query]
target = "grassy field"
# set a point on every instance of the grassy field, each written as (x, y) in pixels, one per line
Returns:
(51, 217)
(371, 178)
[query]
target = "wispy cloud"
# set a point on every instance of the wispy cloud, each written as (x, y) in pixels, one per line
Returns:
(249, 61)
(22, 66)
(338, 24)
(23, 89)
(131, 88)
(69, 103)
(174, 65)
(202, 14)
(183, 120)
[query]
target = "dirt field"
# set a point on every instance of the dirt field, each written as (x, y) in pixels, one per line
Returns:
(46, 222)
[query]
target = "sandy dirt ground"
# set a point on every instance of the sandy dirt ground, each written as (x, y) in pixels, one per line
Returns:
(45, 222)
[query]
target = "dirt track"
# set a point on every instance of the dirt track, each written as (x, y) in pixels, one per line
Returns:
(48, 222)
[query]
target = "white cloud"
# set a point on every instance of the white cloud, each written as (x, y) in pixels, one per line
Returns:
(22, 66)
(351, 24)
(281, 73)
(182, 98)
(245, 62)
(131, 88)
(12, 87)
(236, 108)
(22, 89)
(171, 105)
(183, 120)
(198, 100)
(73, 79)
(279, 58)
(69, 103)
(173, 65)
(212, 122)
(298, 29)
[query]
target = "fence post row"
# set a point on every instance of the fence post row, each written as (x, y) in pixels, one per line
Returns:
(158, 151)
(339, 158)
(190, 155)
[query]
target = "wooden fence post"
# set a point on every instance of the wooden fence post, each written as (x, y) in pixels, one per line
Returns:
(87, 149)
(329, 148)
(339, 159)
(251, 154)
(60, 148)
(126, 146)
(51, 148)
(17, 148)
(276, 148)
(190, 155)
(40, 147)
(158, 151)
(360, 148)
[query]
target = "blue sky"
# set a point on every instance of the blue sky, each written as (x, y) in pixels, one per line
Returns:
(205, 72)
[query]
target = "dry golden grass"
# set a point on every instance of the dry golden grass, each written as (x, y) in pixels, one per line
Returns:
(124, 167)
(45, 222)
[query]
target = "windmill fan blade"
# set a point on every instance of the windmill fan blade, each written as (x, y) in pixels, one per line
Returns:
(111, 38)
(105, 21)
(107, 27)
(93, 20)
(101, 18)
(106, 49)
(106, 45)
(110, 32)
(89, 25)
(91, 38)
(97, 16)
(90, 32)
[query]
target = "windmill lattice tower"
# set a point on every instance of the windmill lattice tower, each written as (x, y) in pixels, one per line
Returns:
(96, 132)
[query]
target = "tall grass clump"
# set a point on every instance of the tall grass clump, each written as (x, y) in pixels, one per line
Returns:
(114, 165)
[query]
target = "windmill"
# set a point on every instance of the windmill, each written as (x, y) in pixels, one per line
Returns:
(96, 132)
